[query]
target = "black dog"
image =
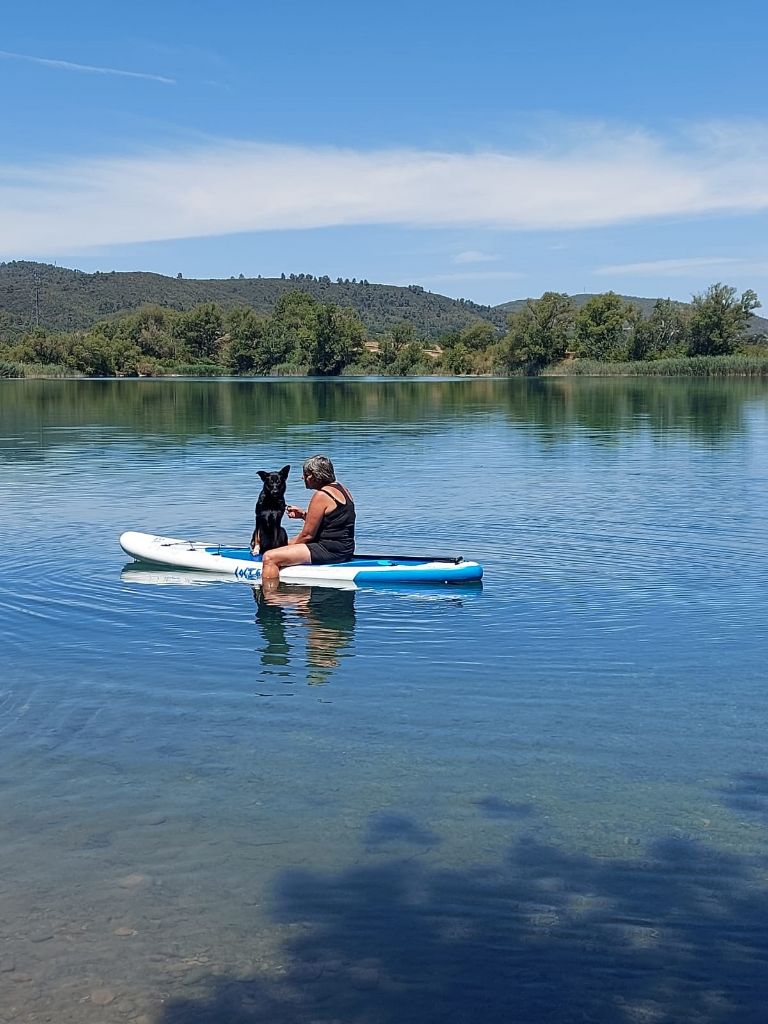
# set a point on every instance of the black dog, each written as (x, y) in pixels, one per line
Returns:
(270, 506)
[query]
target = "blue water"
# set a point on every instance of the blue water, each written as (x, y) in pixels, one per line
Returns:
(540, 799)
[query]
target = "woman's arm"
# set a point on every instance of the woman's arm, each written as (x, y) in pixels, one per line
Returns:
(318, 506)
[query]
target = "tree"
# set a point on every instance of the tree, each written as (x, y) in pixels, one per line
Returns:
(41, 347)
(295, 317)
(149, 329)
(338, 340)
(478, 335)
(295, 309)
(391, 347)
(200, 330)
(410, 359)
(93, 355)
(247, 331)
(244, 324)
(664, 332)
(458, 359)
(603, 327)
(538, 334)
(719, 320)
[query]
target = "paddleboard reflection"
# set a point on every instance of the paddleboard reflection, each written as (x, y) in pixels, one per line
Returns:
(313, 625)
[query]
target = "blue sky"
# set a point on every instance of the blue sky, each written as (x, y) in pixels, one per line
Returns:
(484, 150)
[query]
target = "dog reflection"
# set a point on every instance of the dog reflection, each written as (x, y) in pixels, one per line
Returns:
(329, 616)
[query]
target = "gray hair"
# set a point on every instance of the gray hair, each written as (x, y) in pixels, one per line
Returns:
(320, 469)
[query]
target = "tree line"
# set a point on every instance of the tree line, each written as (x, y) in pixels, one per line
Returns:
(303, 335)
(609, 329)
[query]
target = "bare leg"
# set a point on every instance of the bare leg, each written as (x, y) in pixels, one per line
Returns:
(278, 558)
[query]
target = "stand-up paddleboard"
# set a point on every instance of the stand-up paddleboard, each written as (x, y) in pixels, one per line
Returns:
(240, 563)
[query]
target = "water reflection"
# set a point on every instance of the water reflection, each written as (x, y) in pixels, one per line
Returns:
(327, 614)
(316, 621)
(38, 416)
(700, 407)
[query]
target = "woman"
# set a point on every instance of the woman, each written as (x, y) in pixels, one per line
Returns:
(328, 533)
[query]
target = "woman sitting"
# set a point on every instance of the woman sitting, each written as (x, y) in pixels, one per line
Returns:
(328, 533)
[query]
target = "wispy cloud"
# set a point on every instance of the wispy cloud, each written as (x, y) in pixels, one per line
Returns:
(475, 275)
(68, 65)
(474, 256)
(224, 187)
(680, 267)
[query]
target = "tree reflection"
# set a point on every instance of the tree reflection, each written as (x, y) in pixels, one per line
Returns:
(612, 408)
(42, 415)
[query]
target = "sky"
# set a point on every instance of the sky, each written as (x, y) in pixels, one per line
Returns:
(484, 150)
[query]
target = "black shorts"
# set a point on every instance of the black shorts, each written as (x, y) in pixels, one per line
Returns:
(327, 554)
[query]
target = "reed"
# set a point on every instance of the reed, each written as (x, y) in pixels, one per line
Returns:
(678, 366)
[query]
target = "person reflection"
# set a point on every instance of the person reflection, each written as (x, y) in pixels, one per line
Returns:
(270, 615)
(327, 612)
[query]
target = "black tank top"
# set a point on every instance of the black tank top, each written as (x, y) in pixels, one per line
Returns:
(337, 526)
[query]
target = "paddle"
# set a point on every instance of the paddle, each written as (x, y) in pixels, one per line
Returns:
(452, 559)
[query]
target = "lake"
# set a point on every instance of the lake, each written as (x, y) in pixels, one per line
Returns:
(544, 798)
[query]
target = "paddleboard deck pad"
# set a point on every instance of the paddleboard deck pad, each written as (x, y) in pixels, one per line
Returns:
(240, 563)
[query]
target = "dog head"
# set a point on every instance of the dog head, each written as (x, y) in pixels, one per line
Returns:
(274, 483)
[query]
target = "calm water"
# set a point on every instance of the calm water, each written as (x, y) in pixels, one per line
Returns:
(544, 799)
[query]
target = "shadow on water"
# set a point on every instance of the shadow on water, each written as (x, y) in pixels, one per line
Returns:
(384, 828)
(679, 934)
(495, 807)
(748, 794)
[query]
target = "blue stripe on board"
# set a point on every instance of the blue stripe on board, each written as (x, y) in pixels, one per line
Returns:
(464, 572)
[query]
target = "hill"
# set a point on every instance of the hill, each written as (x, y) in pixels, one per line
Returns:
(64, 300)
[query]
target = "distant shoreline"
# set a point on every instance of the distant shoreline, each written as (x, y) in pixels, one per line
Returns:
(683, 366)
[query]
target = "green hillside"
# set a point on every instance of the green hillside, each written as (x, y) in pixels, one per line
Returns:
(64, 300)
(59, 299)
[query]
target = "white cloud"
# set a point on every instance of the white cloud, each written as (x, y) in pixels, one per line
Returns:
(473, 256)
(225, 187)
(67, 65)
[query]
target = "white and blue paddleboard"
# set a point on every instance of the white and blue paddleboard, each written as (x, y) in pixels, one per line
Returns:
(240, 563)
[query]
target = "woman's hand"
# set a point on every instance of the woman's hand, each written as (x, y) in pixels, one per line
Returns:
(294, 512)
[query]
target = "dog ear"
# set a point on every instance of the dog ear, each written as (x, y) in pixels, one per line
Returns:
(263, 474)
(284, 472)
